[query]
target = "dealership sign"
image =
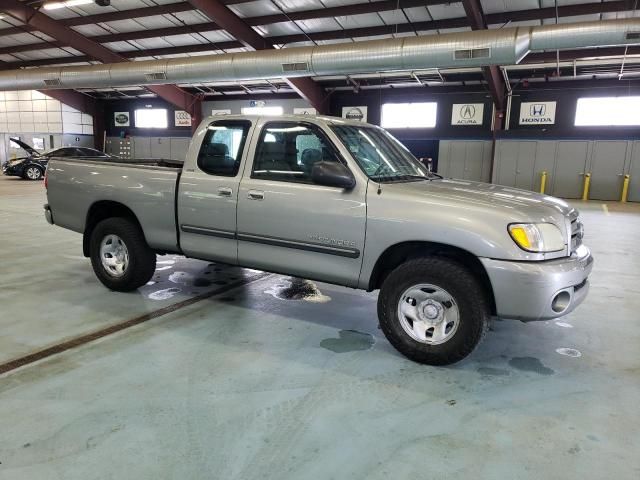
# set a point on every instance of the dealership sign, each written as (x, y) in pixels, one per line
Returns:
(121, 119)
(467, 114)
(355, 113)
(537, 113)
(183, 119)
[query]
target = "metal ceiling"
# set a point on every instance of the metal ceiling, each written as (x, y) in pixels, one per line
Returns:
(157, 29)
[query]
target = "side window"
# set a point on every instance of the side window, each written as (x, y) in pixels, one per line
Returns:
(62, 152)
(221, 149)
(287, 152)
(89, 152)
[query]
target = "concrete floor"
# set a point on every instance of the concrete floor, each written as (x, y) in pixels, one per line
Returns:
(250, 383)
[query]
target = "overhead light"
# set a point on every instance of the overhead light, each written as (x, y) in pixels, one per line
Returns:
(66, 4)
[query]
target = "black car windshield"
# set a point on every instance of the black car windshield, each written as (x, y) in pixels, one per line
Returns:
(380, 155)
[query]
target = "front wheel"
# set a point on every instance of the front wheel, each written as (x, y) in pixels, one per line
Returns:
(33, 173)
(120, 256)
(433, 310)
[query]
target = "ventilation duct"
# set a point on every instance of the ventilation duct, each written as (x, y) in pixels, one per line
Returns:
(506, 46)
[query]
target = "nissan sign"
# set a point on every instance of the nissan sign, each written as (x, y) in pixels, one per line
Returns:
(537, 113)
(355, 113)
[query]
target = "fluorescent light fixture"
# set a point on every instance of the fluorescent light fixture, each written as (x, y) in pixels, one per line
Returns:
(67, 4)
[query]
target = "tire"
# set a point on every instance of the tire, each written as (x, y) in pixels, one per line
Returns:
(33, 173)
(130, 267)
(450, 340)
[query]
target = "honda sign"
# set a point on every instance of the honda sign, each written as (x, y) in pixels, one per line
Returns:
(537, 113)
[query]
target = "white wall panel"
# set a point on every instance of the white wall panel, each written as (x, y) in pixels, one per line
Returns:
(39, 105)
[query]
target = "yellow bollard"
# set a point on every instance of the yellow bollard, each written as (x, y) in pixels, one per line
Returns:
(587, 183)
(625, 188)
(543, 181)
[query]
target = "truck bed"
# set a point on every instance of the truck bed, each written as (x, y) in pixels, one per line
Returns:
(147, 187)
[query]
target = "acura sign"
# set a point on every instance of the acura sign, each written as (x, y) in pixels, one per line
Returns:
(467, 114)
(537, 113)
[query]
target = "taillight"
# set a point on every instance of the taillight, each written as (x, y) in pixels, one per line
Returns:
(46, 177)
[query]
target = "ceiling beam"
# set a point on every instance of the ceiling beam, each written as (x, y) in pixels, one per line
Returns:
(593, 8)
(330, 12)
(94, 50)
(492, 74)
(222, 15)
(442, 24)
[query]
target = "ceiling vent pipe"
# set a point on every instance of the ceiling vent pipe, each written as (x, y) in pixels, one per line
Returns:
(506, 46)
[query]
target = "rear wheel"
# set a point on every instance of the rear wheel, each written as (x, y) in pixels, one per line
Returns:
(433, 310)
(33, 173)
(120, 256)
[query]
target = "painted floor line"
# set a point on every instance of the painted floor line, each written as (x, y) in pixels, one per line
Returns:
(110, 330)
(605, 209)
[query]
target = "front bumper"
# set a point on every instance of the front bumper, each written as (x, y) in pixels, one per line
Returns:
(12, 170)
(540, 290)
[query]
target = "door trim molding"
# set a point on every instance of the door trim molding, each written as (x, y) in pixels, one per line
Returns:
(208, 231)
(274, 241)
(310, 247)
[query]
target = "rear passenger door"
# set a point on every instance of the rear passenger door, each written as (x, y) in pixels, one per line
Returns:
(288, 224)
(208, 193)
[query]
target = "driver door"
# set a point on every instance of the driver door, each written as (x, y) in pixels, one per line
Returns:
(288, 224)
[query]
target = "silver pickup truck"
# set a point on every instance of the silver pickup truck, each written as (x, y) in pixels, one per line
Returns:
(336, 201)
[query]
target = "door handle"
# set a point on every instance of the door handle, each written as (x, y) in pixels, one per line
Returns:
(225, 192)
(255, 195)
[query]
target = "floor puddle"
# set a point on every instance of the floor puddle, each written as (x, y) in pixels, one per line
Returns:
(530, 364)
(349, 341)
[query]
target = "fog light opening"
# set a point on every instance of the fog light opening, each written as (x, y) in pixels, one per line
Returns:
(561, 302)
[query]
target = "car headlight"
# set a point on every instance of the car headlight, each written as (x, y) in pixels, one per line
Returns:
(537, 237)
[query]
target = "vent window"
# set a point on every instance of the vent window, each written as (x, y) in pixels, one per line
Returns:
(155, 76)
(295, 67)
(472, 53)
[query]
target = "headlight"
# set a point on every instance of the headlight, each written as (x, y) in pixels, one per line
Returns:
(537, 237)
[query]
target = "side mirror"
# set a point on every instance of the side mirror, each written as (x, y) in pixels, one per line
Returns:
(332, 174)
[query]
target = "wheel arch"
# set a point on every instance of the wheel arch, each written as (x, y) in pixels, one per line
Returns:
(401, 252)
(101, 210)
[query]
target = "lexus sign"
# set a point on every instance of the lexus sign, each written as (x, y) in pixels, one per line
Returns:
(537, 113)
(467, 114)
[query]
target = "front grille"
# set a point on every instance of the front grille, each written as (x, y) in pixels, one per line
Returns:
(577, 232)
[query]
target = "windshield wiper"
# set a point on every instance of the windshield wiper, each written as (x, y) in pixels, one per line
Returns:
(431, 176)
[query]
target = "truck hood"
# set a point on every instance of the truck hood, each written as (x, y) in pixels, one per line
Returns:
(522, 204)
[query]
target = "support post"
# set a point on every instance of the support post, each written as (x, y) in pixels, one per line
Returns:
(625, 188)
(543, 181)
(585, 189)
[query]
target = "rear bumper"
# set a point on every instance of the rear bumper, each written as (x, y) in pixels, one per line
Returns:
(540, 290)
(48, 214)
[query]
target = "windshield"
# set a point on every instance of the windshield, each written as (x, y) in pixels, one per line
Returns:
(379, 154)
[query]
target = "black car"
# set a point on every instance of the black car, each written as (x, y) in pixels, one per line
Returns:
(34, 166)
